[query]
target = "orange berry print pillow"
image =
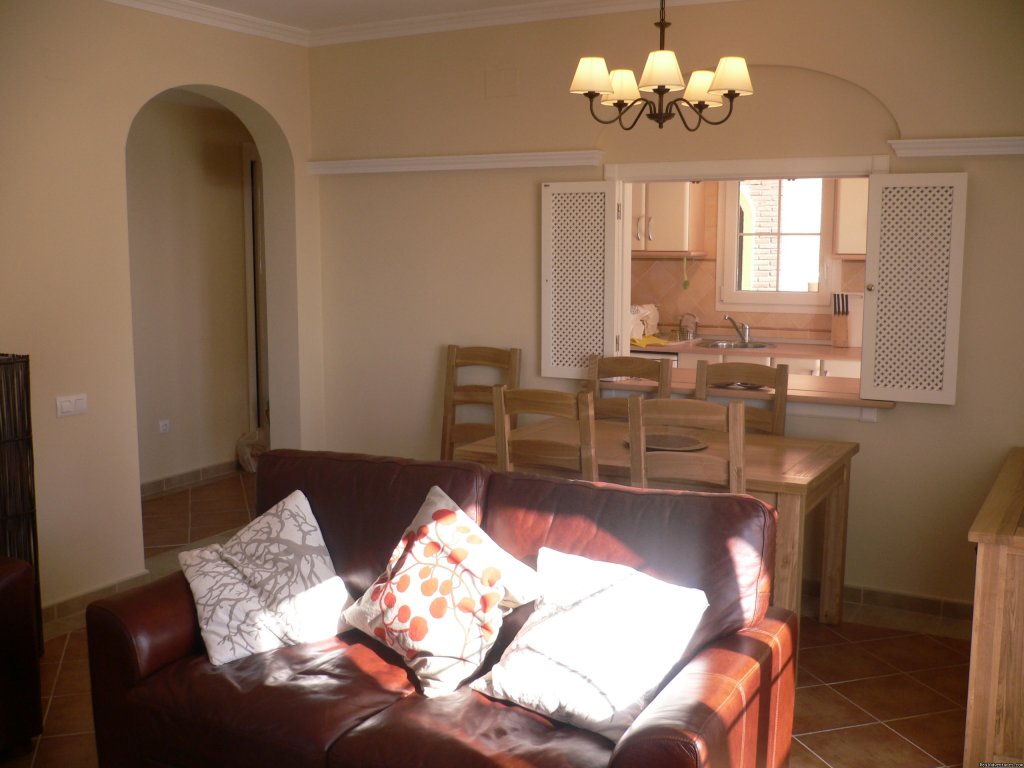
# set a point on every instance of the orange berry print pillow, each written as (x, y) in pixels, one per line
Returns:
(441, 598)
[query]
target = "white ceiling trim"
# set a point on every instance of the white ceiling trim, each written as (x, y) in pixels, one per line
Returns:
(998, 145)
(218, 17)
(510, 14)
(572, 158)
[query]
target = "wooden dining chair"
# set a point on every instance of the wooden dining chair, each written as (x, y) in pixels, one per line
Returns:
(574, 456)
(504, 369)
(602, 371)
(664, 421)
(723, 377)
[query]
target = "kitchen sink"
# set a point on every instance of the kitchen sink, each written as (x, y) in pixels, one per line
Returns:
(727, 344)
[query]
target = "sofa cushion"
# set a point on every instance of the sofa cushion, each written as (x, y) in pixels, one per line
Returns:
(282, 708)
(271, 584)
(721, 544)
(467, 730)
(439, 602)
(565, 662)
(364, 503)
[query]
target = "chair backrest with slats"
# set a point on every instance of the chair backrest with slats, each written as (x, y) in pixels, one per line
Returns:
(602, 371)
(649, 419)
(505, 365)
(718, 379)
(520, 452)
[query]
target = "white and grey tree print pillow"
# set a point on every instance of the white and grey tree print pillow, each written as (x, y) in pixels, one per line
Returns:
(271, 584)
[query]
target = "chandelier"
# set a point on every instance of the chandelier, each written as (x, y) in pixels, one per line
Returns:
(661, 76)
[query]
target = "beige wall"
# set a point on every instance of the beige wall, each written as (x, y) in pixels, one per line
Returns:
(417, 260)
(186, 234)
(73, 76)
(411, 262)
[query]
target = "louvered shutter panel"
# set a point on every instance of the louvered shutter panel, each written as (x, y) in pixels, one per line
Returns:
(577, 275)
(913, 276)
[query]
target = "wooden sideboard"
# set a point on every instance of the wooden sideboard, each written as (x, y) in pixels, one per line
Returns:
(995, 703)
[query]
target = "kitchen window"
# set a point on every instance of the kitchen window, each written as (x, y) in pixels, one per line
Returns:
(774, 245)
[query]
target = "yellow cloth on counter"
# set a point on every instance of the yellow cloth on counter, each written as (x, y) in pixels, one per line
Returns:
(648, 341)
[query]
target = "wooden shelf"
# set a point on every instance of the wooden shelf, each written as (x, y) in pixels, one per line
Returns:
(672, 255)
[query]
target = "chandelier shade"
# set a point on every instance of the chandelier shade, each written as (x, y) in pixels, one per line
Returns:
(704, 90)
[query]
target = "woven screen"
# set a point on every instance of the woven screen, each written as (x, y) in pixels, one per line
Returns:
(913, 261)
(576, 280)
(17, 484)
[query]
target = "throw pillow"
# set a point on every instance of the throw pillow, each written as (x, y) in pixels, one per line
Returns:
(567, 662)
(271, 584)
(440, 600)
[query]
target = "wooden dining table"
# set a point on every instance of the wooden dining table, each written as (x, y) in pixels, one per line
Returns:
(796, 475)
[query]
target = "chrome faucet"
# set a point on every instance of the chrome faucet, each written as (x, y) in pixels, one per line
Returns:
(741, 328)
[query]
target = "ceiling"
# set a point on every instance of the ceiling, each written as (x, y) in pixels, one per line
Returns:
(324, 22)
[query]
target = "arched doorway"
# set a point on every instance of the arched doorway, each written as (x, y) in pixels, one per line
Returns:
(200, 319)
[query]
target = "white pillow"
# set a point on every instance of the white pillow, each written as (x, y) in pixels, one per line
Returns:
(271, 584)
(567, 661)
(440, 600)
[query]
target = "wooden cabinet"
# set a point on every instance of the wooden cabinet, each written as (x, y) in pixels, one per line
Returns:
(849, 369)
(804, 366)
(689, 359)
(850, 230)
(995, 701)
(661, 216)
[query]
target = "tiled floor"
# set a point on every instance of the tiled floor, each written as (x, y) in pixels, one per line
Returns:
(172, 520)
(67, 740)
(871, 696)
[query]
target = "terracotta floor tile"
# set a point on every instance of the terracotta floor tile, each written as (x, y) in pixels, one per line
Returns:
(47, 678)
(894, 696)
(168, 504)
(53, 649)
(951, 682)
(913, 652)
(867, 746)
(804, 678)
(69, 714)
(835, 663)
(856, 633)
(814, 634)
(821, 708)
(172, 537)
(78, 646)
(940, 735)
(77, 751)
(801, 757)
(73, 678)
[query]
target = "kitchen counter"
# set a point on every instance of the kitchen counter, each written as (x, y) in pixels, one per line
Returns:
(778, 349)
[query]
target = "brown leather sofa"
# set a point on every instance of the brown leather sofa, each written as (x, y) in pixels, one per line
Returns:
(349, 701)
(21, 715)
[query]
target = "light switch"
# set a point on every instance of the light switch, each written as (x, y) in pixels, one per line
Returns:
(72, 405)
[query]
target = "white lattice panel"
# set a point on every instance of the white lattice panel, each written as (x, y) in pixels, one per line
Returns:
(577, 252)
(912, 298)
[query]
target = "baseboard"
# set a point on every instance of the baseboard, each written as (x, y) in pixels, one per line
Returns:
(188, 479)
(931, 606)
(67, 609)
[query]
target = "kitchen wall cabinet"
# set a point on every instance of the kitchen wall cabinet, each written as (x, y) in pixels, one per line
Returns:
(661, 216)
(850, 229)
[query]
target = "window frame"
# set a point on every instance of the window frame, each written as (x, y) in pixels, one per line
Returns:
(730, 298)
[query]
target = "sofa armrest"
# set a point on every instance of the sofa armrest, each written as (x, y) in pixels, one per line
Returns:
(732, 704)
(131, 636)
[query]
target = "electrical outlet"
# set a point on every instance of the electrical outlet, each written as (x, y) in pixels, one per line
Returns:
(165, 426)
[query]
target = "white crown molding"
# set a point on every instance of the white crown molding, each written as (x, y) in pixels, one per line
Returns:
(999, 145)
(202, 13)
(218, 17)
(490, 17)
(575, 158)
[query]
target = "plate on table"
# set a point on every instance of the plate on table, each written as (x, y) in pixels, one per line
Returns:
(673, 443)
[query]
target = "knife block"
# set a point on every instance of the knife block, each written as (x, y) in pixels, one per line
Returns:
(848, 329)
